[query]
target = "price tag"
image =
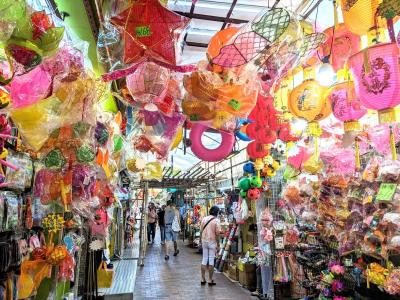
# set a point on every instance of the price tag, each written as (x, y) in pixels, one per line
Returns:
(143, 31)
(279, 243)
(386, 191)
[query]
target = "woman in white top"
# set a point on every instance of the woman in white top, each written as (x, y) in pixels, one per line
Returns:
(209, 235)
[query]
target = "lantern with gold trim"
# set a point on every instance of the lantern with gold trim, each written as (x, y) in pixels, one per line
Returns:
(346, 106)
(376, 72)
(308, 101)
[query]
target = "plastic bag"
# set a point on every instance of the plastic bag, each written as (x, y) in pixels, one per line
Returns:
(22, 178)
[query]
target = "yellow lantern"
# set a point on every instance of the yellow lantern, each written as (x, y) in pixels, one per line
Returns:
(307, 101)
(359, 15)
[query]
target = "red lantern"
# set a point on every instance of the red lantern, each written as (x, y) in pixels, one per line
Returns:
(257, 150)
(150, 29)
(376, 72)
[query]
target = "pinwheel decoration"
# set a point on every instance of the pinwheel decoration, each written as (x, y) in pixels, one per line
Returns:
(150, 29)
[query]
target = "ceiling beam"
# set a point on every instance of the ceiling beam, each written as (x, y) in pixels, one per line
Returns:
(307, 14)
(229, 14)
(211, 18)
(195, 44)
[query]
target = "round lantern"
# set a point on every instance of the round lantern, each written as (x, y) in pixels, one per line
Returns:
(307, 101)
(376, 72)
(346, 106)
(149, 83)
(257, 150)
(359, 15)
(340, 45)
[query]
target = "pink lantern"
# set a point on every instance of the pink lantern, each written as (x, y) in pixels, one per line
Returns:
(346, 106)
(376, 73)
(149, 83)
(340, 45)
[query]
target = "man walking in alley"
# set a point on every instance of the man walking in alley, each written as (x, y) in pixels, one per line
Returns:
(172, 228)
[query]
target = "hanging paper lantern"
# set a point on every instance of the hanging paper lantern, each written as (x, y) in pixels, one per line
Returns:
(257, 150)
(376, 72)
(340, 45)
(359, 15)
(307, 101)
(346, 106)
(148, 83)
(150, 29)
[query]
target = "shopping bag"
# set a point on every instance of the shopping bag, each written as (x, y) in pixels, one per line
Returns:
(104, 276)
(175, 225)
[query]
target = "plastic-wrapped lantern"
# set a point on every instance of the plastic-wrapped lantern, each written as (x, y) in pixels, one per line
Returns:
(376, 73)
(149, 83)
(359, 16)
(340, 45)
(346, 106)
(307, 101)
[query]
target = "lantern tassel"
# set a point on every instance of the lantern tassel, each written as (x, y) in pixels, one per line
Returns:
(316, 147)
(392, 144)
(357, 153)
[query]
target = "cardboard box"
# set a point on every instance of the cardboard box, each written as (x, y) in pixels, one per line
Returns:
(233, 272)
(248, 279)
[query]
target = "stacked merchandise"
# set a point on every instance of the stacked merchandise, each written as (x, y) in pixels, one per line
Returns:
(60, 155)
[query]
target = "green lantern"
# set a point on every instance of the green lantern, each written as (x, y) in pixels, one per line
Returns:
(243, 194)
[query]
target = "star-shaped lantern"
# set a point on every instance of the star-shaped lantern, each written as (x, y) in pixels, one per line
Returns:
(150, 29)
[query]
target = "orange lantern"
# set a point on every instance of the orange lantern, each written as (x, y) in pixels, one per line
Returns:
(307, 101)
(219, 40)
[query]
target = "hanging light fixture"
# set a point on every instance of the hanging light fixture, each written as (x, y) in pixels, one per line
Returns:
(326, 75)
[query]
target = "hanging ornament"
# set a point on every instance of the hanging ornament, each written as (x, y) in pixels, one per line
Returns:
(307, 101)
(376, 73)
(340, 45)
(346, 106)
(359, 15)
(150, 29)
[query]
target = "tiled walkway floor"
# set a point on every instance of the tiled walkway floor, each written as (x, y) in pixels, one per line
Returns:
(179, 278)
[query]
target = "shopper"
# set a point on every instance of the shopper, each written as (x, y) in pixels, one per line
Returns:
(183, 213)
(151, 223)
(161, 223)
(209, 237)
(171, 219)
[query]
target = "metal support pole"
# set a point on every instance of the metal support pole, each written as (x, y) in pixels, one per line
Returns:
(143, 225)
(232, 182)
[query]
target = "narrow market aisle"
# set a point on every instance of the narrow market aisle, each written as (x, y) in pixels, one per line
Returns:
(179, 278)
